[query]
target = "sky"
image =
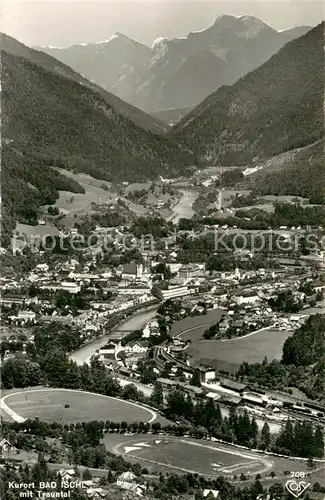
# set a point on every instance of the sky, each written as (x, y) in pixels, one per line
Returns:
(62, 23)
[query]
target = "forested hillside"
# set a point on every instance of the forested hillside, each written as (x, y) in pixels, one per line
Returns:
(275, 108)
(303, 175)
(49, 120)
(27, 183)
(49, 63)
(302, 364)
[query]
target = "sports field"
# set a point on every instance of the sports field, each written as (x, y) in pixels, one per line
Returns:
(49, 406)
(192, 328)
(229, 354)
(209, 458)
(188, 455)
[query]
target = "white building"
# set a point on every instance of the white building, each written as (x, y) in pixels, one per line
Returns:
(207, 374)
(107, 351)
(65, 285)
(5, 447)
(69, 287)
(246, 298)
(127, 481)
(127, 290)
(26, 315)
(125, 476)
(95, 493)
(67, 474)
(256, 399)
(42, 268)
(137, 347)
(138, 489)
(172, 292)
(213, 493)
(151, 328)
(189, 271)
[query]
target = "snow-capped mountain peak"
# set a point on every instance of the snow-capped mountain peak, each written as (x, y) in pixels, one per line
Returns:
(118, 37)
(160, 48)
(252, 25)
(160, 42)
(111, 38)
(242, 26)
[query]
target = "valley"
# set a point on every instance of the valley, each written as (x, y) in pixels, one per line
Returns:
(162, 259)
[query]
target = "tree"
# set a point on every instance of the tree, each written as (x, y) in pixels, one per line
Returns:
(163, 269)
(319, 442)
(40, 471)
(242, 431)
(286, 437)
(276, 490)
(130, 392)
(110, 477)
(253, 431)
(124, 426)
(156, 427)
(189, 407)
(256, 489)
(87, 475)
(177, 403)
(157, 396)
(196, 378)
(265, 437)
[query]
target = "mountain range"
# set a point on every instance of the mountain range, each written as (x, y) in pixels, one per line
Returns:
(53, 118)
(276, 108)
(181, 72)
(49, 63)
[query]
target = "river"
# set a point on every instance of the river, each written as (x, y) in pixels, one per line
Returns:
(183, 209)
(136, 322)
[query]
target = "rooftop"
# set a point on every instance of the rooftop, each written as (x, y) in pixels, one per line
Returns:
(233, 384)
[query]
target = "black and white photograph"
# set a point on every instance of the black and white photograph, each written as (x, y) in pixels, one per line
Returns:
(162, 250)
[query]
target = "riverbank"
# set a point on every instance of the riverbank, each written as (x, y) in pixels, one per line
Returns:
(183, 209)
(135, 322)
(138, 321)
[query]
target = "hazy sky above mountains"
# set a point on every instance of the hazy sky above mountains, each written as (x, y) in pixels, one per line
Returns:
(62, 23)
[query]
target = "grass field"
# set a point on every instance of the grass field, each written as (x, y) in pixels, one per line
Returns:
(77, 202)
(39, 230)
(161, 453)
(49, 406)
(192, 455)
(192, 326)
(229, 354)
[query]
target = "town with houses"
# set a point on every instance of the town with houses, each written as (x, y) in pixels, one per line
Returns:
(163, 265)
(240, 298)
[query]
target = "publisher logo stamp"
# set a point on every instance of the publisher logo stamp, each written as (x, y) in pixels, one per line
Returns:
(296, 487)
